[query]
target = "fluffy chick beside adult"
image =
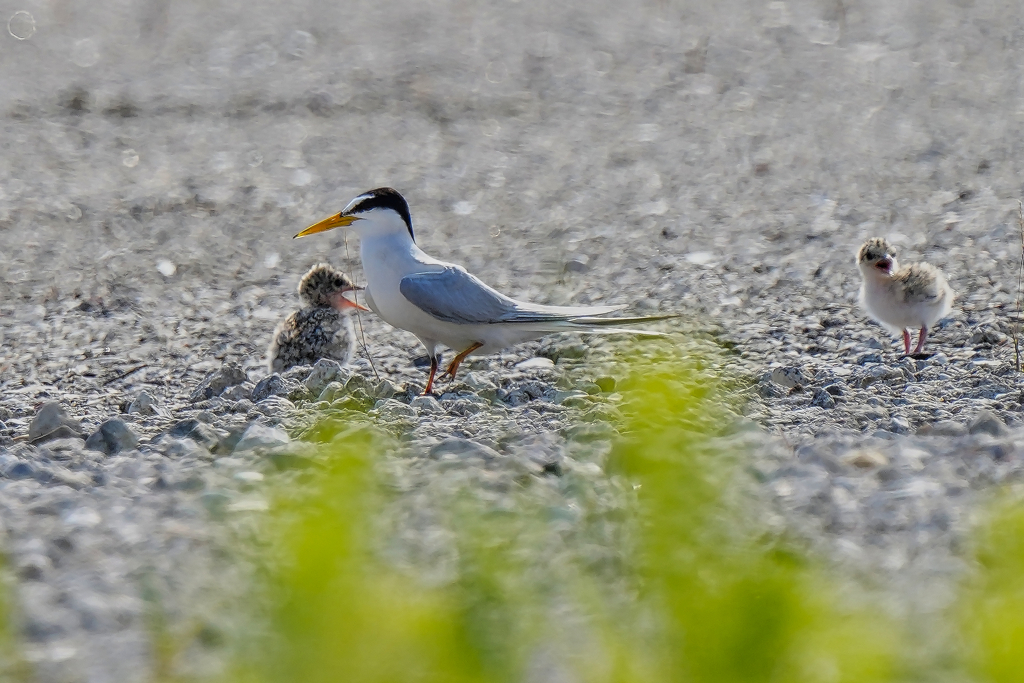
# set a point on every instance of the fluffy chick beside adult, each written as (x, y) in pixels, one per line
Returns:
(322, 327)
(915, 296)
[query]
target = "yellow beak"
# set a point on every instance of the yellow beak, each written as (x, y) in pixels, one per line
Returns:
(336, 221)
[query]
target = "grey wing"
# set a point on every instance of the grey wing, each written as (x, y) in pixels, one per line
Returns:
(456, 296)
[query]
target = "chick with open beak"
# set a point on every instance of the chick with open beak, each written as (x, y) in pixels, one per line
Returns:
(322, 327)
(901, 299)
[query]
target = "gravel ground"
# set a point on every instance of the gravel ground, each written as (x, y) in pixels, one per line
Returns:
(722, 160)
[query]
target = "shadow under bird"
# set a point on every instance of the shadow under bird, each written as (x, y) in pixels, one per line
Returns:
(322, 327)
(915, 296)
(442, 303)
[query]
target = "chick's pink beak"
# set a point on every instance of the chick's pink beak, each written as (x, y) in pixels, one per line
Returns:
(343, 303)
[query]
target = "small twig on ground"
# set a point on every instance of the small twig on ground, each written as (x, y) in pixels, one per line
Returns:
(125, 374)
(359, 319)
(1015, 328)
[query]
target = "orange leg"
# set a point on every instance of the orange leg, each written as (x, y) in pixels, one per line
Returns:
(430, 380)
(453, 367)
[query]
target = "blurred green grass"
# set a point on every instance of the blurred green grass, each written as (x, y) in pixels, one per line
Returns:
(13, 668)
(698, 590)
(712, 600)
(733, 603)
(991, 610)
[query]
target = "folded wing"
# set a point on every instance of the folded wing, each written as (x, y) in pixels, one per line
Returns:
(456, 296)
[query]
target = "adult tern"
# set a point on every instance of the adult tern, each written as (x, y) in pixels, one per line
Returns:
(443, 303)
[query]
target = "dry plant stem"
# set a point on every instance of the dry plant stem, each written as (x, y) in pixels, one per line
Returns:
(359, 319)
(1020, 281)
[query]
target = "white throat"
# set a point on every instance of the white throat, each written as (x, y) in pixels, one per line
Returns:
(381, 222)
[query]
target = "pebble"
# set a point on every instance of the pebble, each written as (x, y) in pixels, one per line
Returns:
(274, 385)
(249, 477)
(113, 436)
(986, 422)
(144, 404)
(823, 399)
(425, 404)
(261, 436)
(53, 422)
(538, 363)
(324, 372)
(217, 382)
(899, 425)
(462, 448)
(942, 428)
(866, 459)
(199, 432)
(390, 409)
(788, 377)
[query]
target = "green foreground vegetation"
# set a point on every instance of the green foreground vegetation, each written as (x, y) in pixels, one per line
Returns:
(697, 590)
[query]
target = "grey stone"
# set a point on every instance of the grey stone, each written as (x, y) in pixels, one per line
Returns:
(822, 399)
(986, 336)
(580, 264)
(261, 436)
(462, 448)
(358, 383)
(987, 422)
(942, 428)
(243, 406)
(52, 422)
(788, 377)
(426, 404)
(229, 439)
(19, 470)
(835, 389)
(144, 404)
(769, 389)
(113, 436)
(384, 389)
(274, 385)
(275, 406)
(217, 382)
(183, 448)
(200, 432)
(331, 392)
(324, 372)
(561, 397)
(299, 373)
(390, 409)
(215, 502)
(899, 425)
(238, 392)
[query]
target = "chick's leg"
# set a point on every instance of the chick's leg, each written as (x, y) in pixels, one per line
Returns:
(921, 339)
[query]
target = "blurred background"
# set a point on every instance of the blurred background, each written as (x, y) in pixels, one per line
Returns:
(565, 152)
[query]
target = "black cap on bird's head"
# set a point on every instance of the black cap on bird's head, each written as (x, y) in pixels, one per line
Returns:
(381, 198)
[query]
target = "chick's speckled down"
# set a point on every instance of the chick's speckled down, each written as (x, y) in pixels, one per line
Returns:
(921, 283)
(309, 334)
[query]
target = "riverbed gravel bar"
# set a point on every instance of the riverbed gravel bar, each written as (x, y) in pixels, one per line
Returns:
(718, 161)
